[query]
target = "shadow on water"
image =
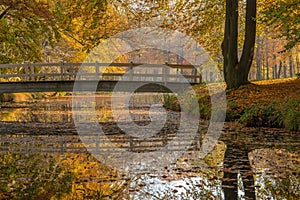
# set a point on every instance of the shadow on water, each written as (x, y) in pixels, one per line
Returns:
(42, 157)
(265, 160)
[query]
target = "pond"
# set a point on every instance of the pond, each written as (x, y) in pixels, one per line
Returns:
(43, 157)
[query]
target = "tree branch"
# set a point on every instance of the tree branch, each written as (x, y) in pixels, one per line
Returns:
(4, 12)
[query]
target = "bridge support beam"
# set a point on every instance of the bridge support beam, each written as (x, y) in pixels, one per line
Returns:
(88, 86)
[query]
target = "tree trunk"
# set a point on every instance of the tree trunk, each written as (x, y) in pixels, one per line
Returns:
(267, 61)
(258, 59)
(267, 69)
(230, 44)
(284, 70)
(291, 66)
(235, 72)
(298, 63)
(275, 71)
(279, 69)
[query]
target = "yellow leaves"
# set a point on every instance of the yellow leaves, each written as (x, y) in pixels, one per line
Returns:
(92, 178)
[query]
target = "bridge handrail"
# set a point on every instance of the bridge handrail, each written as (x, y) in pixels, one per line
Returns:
(71, 64)
(67, 71)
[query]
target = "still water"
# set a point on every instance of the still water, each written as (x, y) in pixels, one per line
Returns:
(42, 157)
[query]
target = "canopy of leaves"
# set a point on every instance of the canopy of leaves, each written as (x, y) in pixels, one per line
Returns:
(202, 20)
(69, 29)
(24, 27)
(31, 29)
(283, 16)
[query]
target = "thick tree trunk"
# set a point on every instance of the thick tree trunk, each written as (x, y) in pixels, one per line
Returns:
(250, 35)
(235, 72)
(230, 43)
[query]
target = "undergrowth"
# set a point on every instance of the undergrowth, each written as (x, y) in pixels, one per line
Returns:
(272, 103)
(276, 114)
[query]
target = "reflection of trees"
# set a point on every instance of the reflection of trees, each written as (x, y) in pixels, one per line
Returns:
(50, 176)
(33, 177)
(236, 161)
(277, 176)
(188, 178)
(94, 180)
(239, 152)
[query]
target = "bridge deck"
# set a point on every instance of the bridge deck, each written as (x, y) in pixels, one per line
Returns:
(86, 86)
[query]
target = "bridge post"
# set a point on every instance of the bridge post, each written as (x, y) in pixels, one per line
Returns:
(97, 70)
(32, 73)
(131, 71)
(195, 75)
(27, 72)
(62, 70)
(165, 75)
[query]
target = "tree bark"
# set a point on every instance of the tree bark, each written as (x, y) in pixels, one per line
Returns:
(267, 60)
(230, 43)
(258, 59)
(297, 63)
(291, 64)
(275, 71)
(279, 69)
(235, 72)
(284, 71)
(267, 69)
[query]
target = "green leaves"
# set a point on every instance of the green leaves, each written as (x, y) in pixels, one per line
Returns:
(276, 114)
(284, 17)
(34, 176)
(30, 28)
(24, 28)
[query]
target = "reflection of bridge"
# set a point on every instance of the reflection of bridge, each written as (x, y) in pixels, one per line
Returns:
(56, 77)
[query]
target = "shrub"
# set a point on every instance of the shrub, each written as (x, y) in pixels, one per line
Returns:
(291, 115)
(276, 114)
(171, 102)
(233, 112)
(252, 116)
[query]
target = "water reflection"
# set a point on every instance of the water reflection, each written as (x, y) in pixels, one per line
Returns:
(53, 176)
(67, 171)
(60, 109)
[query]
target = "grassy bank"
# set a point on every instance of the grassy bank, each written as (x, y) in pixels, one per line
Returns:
(271, 103)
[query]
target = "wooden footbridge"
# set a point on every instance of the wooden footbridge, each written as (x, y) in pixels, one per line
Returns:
(58, 77)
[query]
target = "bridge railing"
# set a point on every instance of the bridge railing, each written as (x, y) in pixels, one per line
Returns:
(98, 71)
